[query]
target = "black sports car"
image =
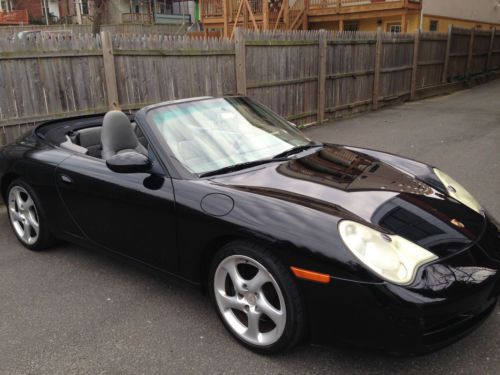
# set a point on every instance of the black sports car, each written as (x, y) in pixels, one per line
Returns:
(292, 237)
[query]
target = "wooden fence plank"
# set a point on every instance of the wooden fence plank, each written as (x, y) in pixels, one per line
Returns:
(321, 76)
(470, 54)
(414, 71)
(490, 50)
(241, 75)
(376, 78)
(447, 54)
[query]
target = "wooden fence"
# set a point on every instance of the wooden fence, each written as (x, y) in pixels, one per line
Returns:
(306, 76)
(129, 28)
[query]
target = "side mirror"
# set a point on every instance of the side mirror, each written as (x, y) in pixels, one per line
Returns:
(129, 162)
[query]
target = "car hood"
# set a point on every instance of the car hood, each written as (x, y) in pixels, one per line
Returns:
(348, 184)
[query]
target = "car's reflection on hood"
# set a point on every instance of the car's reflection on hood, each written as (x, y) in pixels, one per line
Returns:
(349, 184)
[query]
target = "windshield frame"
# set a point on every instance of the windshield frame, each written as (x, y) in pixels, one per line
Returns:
(175, 168)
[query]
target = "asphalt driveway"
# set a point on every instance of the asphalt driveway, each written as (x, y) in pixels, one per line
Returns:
(73, 310)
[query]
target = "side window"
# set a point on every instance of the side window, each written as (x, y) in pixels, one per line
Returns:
(433, 25)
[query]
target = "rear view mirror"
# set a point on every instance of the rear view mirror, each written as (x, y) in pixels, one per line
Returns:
(129, 162)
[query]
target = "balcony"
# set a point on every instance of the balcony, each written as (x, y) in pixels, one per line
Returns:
(363, 5)
(14, 17)
(214, 8)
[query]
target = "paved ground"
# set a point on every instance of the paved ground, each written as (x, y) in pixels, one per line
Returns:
(72, 310)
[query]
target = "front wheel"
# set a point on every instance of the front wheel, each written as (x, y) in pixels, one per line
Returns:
(256, 298)
(26, 216)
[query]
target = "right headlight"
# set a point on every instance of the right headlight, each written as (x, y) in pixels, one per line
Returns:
(391, 257)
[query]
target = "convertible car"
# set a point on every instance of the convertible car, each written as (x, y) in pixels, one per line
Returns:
(293, 239)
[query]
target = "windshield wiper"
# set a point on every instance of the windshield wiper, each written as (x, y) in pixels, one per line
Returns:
(240, 166)
(296, 150)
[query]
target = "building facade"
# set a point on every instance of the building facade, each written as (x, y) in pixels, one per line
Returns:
(354, 15)
(81, 11)
(481, 14)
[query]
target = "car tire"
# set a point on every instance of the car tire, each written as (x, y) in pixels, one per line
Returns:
(27, 217)
(256, 297)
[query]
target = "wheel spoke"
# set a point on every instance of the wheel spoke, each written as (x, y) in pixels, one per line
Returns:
(19, 200)
(14, 214)
(230, 302)
(238, 281)
(253, 325)
(255, 284)
(274, 314)
(32, 222)
(27, 232)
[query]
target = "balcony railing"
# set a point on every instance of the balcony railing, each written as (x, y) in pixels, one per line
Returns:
(136, 18)
(347, 3)
(14, 17)
(214, 8)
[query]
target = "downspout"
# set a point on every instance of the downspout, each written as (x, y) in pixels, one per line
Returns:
(46, 6)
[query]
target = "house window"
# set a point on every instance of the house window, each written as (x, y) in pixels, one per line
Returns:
(394, 27)
(433, 25)
(164, 6)
(85, 7)
(351, 26)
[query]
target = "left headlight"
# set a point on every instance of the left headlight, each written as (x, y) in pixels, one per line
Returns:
(391, 257)
(457, 191)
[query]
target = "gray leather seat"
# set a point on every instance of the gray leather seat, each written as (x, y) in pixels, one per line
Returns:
(118, 135)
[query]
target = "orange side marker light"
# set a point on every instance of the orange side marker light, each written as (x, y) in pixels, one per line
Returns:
(310, 275)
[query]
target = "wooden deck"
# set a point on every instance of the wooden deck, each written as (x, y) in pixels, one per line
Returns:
(226, 15)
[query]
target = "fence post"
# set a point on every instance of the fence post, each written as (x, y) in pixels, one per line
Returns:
(109, 70)
(490, 51)
(447, 54)
(376, 75)
(321, 76)
(414, 70)
(240, 56)
(470, 54)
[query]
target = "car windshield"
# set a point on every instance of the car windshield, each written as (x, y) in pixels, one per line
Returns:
(212, 134)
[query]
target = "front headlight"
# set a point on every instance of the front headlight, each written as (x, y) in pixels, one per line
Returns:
(390, 256)
(457, 191)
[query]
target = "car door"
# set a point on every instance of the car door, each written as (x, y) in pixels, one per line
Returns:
(133, 214)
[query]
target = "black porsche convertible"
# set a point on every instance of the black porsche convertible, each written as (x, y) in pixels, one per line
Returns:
(292, 238)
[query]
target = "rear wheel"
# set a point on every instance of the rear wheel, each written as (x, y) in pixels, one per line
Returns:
(256, 298)
(26, 216)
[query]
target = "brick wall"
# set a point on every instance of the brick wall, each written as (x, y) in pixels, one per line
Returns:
(34, 8)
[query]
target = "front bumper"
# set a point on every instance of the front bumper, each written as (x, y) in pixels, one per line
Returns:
(448, 300)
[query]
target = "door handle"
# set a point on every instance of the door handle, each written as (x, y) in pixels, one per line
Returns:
(66, 179)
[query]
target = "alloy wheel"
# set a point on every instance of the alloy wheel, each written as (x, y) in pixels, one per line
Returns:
(23, 215)
(250, 300)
